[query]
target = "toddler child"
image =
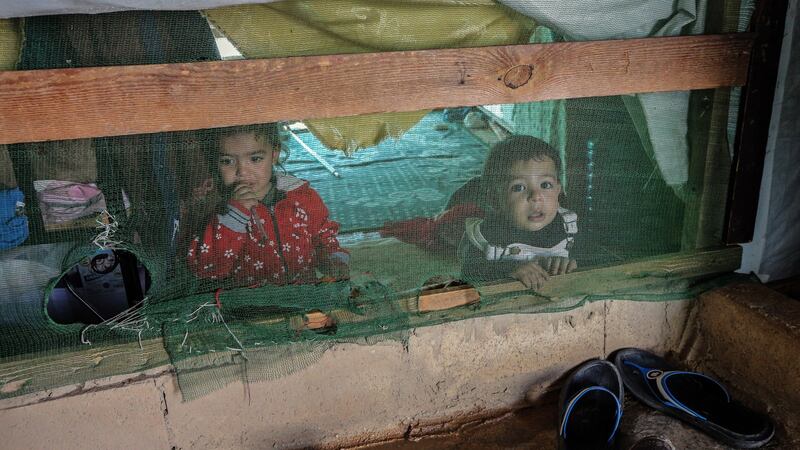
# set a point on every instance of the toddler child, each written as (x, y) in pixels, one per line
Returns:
(272, 227)
(525, 233)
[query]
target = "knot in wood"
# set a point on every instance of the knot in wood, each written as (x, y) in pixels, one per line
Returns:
(518, 75)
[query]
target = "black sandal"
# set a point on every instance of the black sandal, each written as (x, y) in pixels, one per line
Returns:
(590, 407)
(692, 397)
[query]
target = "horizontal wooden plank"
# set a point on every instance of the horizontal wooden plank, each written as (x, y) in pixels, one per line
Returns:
(441, 299)
(55, 104)
(610, 279)
(31, 373)
(655, 274)
(28, 375)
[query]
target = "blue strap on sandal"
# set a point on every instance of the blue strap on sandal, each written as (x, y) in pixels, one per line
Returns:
(590, 407)
(574, 401)
(692, 397)
(660, 378)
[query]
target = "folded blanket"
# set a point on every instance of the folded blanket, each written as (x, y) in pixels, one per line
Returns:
(64, 201)
(437, 234)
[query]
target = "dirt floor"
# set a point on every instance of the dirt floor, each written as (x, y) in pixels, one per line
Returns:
(535, 428)
(789, 287)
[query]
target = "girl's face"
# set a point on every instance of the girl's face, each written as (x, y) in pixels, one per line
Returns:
(531, 195)
(246, 159)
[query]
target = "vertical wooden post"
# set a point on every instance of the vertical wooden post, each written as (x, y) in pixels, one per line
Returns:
(750, 145)
(709, 157)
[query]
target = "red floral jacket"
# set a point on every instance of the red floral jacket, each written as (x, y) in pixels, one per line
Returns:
(279, 242)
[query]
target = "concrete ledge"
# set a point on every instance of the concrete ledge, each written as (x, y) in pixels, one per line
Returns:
(447, 376)
(749, 335)
(125, 417)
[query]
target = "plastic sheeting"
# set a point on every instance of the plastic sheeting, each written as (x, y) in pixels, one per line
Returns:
(319, 27)
(48, 7)
(615, 19)
(10, 41)
(774, 253)
(25, 273)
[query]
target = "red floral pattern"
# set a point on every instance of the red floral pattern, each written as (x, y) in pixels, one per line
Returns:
(243, 244)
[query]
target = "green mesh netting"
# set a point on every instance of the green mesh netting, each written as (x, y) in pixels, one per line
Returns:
(179, 248)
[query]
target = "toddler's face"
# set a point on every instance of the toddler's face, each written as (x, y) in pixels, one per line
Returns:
(246, 159)
(531, 194)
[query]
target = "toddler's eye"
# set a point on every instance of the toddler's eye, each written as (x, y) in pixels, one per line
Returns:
(547, 185)
(225, 161)
(518, 187)
(257, 158)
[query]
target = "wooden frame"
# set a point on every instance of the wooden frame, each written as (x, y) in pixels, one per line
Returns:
(59, 104)
(43, 105)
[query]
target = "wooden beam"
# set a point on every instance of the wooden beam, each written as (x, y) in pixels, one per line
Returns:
(31, 373)
(441, 299)
(642, 273)
(43, 105)
(709, 156)
(39, 372)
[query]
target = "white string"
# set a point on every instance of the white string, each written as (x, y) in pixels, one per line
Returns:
(105, 238)
(217, 314)
(127, 320)
(216, 317)
(185, 336)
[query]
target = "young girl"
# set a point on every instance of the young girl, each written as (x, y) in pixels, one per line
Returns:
(525, 233)
(272, 227)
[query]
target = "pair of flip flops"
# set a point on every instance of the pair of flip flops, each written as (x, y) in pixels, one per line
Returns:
(592, 402)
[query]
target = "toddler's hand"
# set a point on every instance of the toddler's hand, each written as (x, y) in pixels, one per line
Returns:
(244, 194)
(531, 274)
(557, 265)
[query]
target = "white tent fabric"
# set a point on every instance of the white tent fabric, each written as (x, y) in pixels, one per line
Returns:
(614, 19)
(27, 8)
(774, 253)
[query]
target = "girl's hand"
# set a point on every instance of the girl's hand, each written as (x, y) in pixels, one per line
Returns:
(557, 265)
(531, 274)
(244, 194)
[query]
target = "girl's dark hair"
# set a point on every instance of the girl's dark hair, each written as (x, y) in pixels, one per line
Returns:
(267, 131)
(502, 157)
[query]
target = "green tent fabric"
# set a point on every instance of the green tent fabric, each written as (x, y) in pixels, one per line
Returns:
(319, 27)
(7, 178)
(10, 39)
